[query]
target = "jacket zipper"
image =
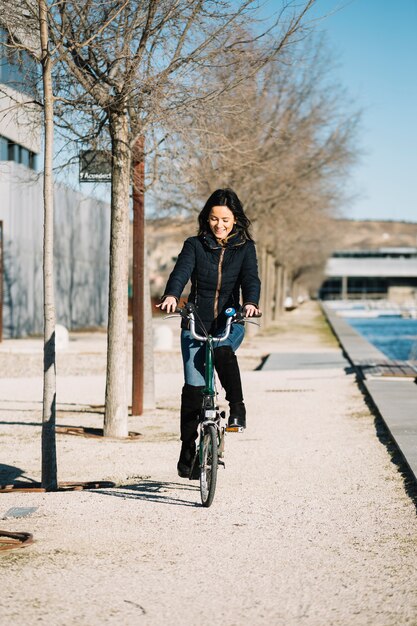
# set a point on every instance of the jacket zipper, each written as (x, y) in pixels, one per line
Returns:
(219, 282)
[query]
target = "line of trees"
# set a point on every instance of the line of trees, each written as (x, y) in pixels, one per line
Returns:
(284, 139)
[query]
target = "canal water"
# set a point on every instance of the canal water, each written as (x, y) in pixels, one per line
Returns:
(394, 336)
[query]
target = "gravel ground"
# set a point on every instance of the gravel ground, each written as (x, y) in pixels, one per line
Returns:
(313, 523)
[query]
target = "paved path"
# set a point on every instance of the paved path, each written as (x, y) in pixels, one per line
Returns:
(311, 524)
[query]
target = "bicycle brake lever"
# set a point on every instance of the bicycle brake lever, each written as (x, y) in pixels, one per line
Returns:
(246, 320)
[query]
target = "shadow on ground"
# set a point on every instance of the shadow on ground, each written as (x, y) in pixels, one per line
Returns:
(9, 474)
(155, 491)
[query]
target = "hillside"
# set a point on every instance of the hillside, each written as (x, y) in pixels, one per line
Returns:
(371, 234)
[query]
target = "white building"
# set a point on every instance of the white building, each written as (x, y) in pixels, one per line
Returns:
(382, 273)
(82, 223)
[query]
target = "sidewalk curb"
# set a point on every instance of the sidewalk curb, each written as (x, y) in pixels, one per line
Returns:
(395, 400)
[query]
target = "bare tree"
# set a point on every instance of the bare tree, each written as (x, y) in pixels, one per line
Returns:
(33, 37)
(49, 465)
(284, 141)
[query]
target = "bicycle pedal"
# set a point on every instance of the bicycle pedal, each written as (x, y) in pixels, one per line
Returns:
(234, 429)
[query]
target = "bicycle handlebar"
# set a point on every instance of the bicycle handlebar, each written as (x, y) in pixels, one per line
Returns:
(232, 315)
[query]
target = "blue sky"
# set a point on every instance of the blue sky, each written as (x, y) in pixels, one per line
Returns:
(375, 44)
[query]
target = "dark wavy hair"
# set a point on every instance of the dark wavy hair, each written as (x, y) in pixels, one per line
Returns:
(225, 197)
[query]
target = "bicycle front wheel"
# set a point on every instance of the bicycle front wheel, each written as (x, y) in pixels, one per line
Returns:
(208, 465)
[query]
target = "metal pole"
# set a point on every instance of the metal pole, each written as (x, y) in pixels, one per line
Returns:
(138, 276)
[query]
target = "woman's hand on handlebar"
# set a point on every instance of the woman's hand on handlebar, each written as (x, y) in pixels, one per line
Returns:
(251, 310)
(169, 304)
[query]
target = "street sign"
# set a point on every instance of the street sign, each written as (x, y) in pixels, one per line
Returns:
(95, 166)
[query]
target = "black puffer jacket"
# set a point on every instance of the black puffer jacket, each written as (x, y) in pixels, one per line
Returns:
(218, 273)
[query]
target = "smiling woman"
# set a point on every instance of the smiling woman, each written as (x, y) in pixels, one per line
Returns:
(221, 263)
(221, 221)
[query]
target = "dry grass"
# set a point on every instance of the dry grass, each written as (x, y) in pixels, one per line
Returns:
(308, 320)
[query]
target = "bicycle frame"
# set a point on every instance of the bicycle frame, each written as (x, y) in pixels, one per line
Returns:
(209, 369)
(212, 428)
(209, 393)
(209, 408)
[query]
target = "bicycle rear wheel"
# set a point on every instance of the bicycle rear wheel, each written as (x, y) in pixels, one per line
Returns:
(208, 465)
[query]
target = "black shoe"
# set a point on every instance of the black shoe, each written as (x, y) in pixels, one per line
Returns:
(186, 460)
(184, 471)
(237, 417)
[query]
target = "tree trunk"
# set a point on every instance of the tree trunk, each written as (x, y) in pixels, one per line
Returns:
(138, 302)
(49, 463)
(267, 292)
(262, 254)
(149, 373)
(278, 291)
(296, 289)
(285, 292)
(116, 411)
(270, 288)
(282, 289)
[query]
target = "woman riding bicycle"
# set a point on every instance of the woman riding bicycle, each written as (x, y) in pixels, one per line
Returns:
(221, 262)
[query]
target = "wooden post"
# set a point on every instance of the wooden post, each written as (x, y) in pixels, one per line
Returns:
(138, 166)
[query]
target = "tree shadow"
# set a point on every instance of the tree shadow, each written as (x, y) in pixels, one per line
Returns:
(8, 423)
(9, 475)
(154, 491)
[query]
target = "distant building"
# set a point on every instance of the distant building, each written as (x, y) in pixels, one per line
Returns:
(383, 273)
(19, 121)
(82, 223)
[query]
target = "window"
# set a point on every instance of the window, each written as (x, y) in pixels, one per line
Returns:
(33, 164)
(18, 68)
(3, 149)
(11, 151)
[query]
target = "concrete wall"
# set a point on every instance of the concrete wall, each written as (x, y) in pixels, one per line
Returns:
(82, 231)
